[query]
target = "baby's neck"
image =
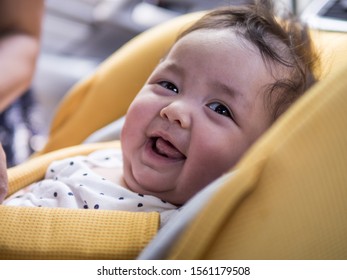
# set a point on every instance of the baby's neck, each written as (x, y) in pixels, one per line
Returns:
(114, 175)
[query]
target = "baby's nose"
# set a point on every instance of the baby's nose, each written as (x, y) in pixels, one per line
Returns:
(177, 112)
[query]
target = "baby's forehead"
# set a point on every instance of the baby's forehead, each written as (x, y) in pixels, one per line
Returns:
(212, 43)
(271, 48)
(220, 48)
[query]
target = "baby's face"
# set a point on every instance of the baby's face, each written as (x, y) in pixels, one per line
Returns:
(199, 111)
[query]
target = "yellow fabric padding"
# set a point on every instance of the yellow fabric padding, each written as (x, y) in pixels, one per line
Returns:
(56, 233)
(288, 197)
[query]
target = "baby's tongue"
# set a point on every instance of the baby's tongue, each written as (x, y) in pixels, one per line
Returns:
(165, 148)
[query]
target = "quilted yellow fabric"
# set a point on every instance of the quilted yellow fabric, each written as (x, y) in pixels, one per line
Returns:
(288, 197)
(56, 233)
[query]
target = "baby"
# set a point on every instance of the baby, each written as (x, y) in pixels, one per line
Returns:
(222, 84)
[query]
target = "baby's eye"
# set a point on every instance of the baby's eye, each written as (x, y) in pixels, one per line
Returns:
(169, 86)
(220, 109)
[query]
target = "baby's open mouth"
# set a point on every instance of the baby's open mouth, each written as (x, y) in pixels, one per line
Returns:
(166, 149)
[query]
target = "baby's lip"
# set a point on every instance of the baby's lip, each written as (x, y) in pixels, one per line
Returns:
(166, 145)
(166, 148)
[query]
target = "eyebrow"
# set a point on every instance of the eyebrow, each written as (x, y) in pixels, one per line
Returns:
(171, 66)
(227, 89)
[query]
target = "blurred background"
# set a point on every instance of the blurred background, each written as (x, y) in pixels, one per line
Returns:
(77, 35)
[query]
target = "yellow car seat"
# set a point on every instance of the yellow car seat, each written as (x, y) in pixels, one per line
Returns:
(286, 199)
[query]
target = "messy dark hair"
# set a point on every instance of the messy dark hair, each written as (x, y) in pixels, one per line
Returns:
(281, 41)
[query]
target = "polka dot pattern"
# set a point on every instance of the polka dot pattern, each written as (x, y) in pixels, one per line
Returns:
(75, 183)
